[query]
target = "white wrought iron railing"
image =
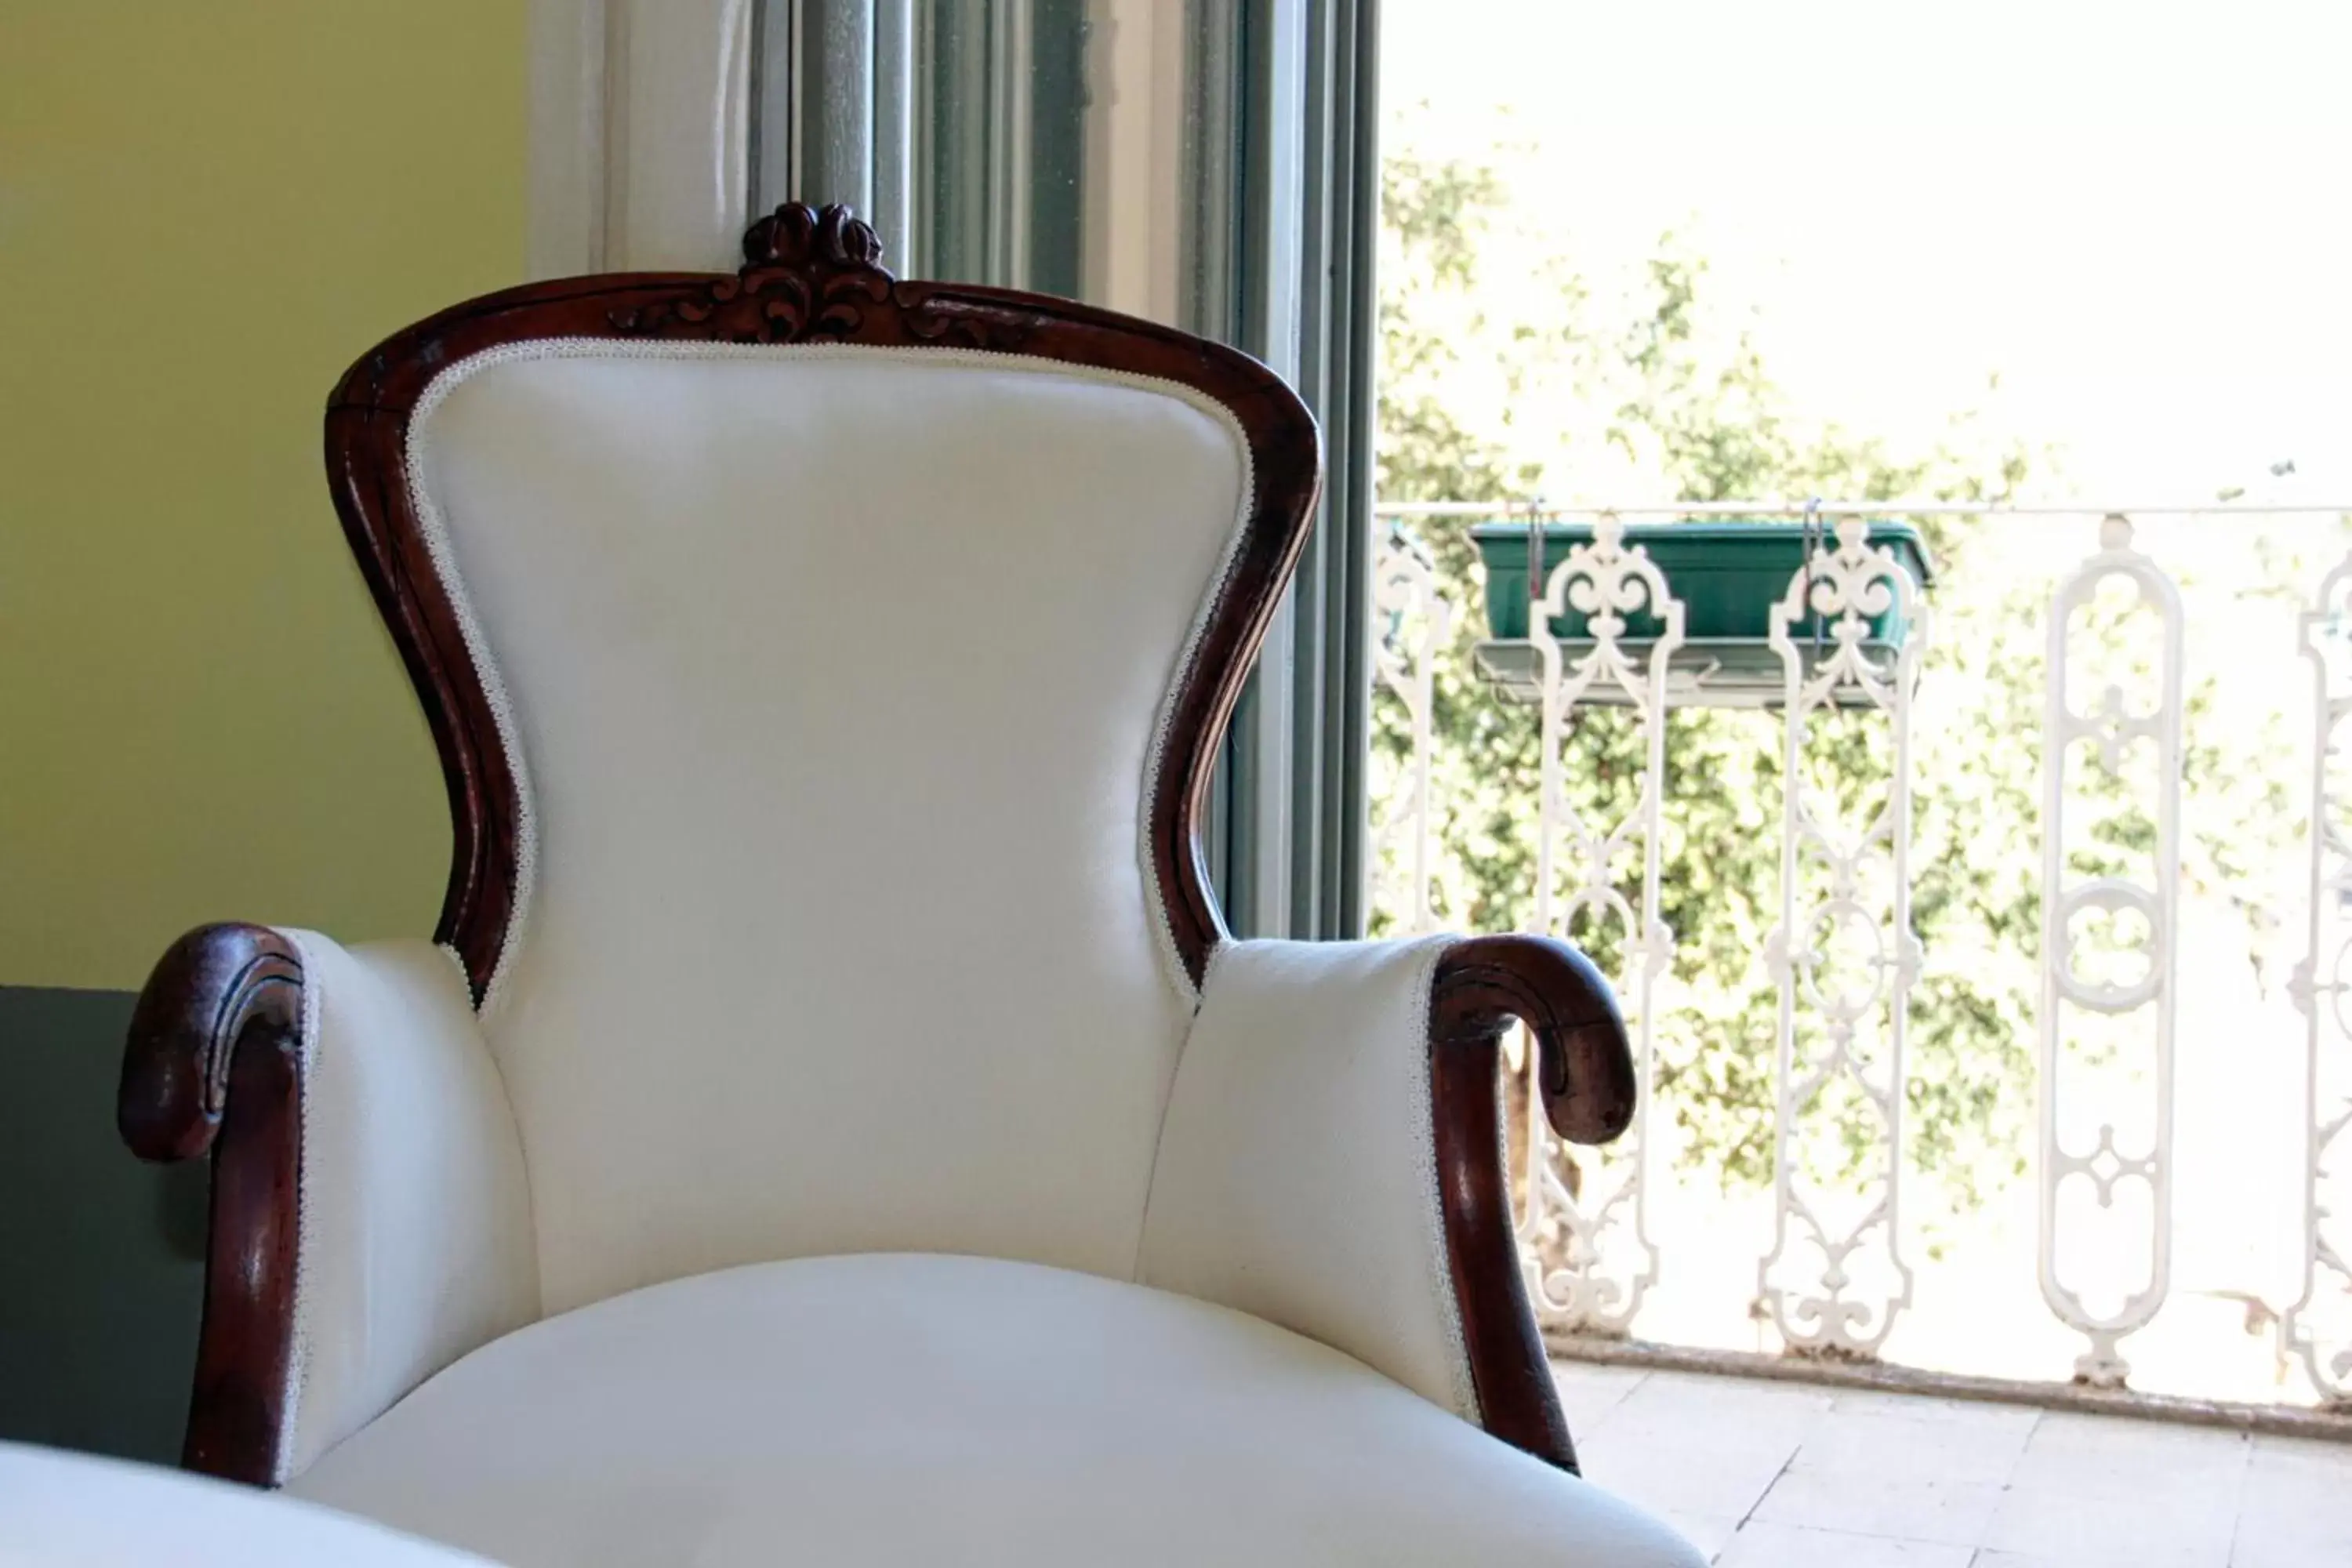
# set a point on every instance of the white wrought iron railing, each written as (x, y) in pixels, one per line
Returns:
(1830, 1249)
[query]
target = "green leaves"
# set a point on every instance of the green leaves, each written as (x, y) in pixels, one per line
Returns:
(1713, 425)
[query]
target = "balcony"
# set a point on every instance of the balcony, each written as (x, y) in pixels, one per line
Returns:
(1978, 888)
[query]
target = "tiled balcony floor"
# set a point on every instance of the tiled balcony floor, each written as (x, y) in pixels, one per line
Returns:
(1776, 1475)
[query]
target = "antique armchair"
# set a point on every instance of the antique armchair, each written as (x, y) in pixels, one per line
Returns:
(832, 1122)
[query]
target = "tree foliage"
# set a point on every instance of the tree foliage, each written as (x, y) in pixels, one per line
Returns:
(1708, 422)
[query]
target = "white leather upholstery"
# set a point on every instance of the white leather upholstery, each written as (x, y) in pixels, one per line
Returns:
(835, 673)
(414, 1216)
(1297, 1176)
(923, 1411)
(72, 1510)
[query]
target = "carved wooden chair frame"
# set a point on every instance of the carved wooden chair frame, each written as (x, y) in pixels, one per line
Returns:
(214, 1061)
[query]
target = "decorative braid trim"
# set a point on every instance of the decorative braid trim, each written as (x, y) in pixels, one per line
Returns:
(439, 546)
(306, 1220)
(1422, 1117)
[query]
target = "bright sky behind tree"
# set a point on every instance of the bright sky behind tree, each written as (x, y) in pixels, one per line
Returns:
(2138, 212)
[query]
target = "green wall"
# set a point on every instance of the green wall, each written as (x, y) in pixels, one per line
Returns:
(206, 211)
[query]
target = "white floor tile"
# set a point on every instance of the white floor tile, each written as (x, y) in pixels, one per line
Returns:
(2165, 1443)
(2154, 1527)
(1686, 1405)
(1709, 1533)
(2115, 1457)
(1715, 1475)
(1973, 1412)
(2285, 1545)
(1888, 1446)
(1693, 1390)
(1761, 1545)
(1758, 1473)
(2298, 1467)
(1590, 1392)
(2296, 1508)
(1956, 1513)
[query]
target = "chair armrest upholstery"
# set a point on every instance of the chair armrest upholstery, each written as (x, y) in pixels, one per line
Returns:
(1331, 1159)
(371, 1215)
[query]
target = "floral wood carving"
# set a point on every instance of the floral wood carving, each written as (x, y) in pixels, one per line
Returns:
(809, 276)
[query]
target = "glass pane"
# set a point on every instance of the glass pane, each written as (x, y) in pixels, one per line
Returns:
(1055, 141)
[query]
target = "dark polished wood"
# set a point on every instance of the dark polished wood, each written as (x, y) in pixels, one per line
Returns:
(1585, 1070)
(807, 277)
(215, 1063)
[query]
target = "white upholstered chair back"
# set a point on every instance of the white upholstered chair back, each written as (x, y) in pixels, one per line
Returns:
(834, 678)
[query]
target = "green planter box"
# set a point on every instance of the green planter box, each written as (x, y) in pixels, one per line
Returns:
(1728, 576)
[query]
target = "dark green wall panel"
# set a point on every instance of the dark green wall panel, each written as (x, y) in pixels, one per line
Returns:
(102, 1272)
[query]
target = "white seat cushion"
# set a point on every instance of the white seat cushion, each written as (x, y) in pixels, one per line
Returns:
(933, 1411)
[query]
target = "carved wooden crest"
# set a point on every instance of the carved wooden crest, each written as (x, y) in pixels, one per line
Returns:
(809, 276)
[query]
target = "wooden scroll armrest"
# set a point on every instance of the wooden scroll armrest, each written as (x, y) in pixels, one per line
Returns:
(370, 1217)
(1585, 1073)
(213, 1063)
